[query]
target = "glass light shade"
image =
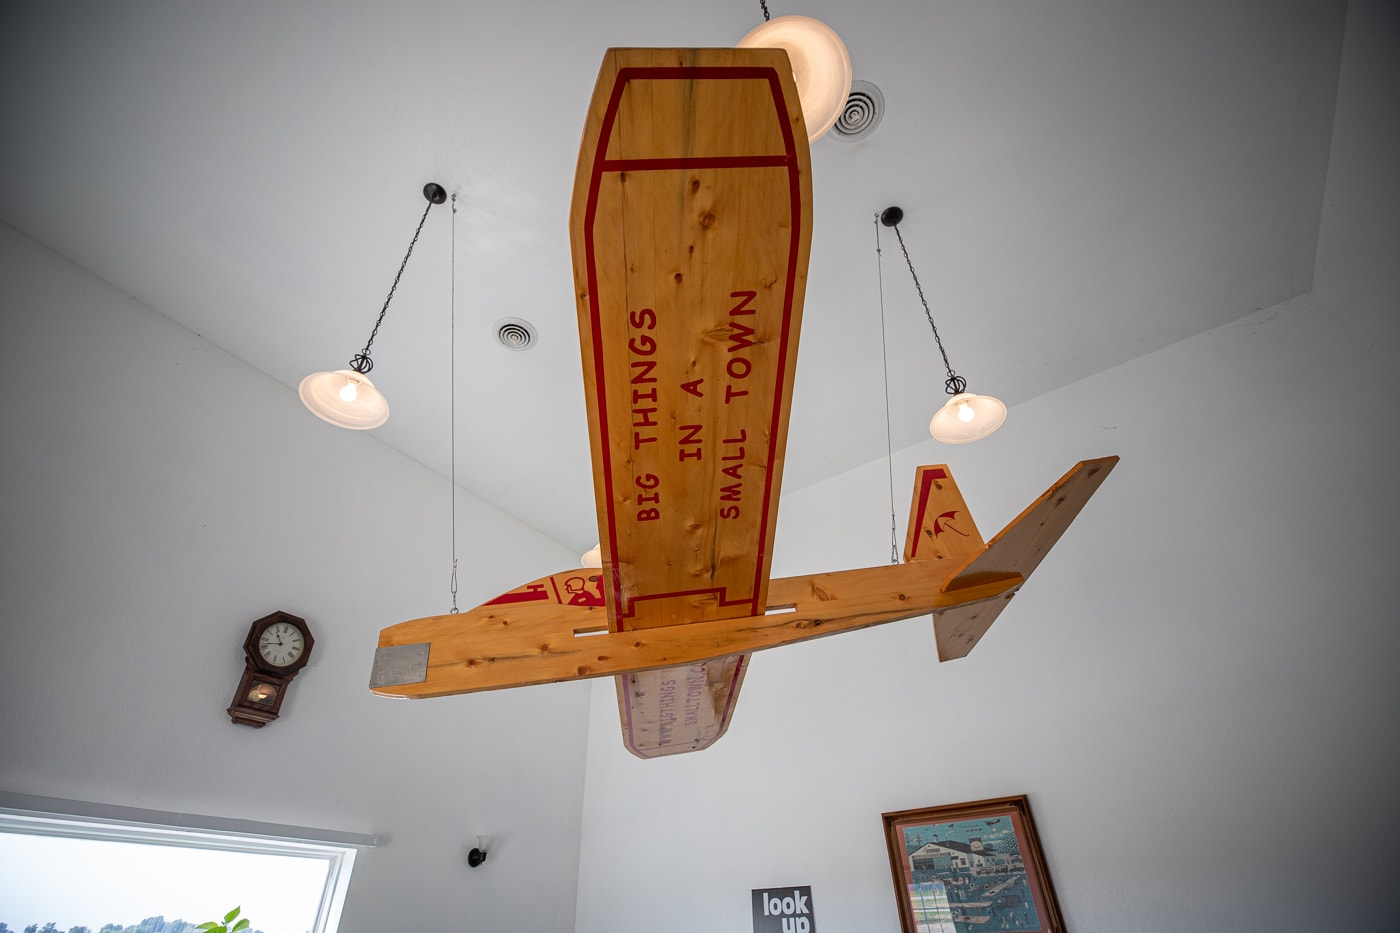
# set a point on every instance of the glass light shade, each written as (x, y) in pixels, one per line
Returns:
(951, 423)
(820, 64)
(593, 557)
(321, 393)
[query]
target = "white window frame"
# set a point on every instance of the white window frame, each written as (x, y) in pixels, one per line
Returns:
(74, 819)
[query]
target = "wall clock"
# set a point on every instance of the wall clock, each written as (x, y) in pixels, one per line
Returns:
(277, 647)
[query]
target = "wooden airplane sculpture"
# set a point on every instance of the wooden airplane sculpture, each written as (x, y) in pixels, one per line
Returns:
(690, 227)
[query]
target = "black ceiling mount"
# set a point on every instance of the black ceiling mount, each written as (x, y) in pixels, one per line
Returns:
(360, 362)
(890, 217)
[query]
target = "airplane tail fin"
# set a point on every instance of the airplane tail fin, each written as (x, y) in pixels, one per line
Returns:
(940, 525)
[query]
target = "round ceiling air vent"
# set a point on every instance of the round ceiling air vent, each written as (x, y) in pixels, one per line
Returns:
(864, 108)
(515, 334)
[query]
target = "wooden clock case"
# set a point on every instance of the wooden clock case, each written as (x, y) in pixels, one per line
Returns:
(263, 686)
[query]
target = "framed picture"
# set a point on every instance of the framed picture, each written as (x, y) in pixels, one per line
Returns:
(971, 867)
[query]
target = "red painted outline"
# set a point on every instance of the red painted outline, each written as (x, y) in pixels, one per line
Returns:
(530, 596)
(662, 165)
(719, 591)
(926, 479)
(601, 166)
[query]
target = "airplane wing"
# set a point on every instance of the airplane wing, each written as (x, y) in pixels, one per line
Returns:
(690, 234)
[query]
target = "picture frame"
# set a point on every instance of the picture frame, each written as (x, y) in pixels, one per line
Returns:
(970, 867)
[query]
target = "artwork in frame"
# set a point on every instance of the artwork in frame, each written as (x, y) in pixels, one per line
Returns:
(971, 867)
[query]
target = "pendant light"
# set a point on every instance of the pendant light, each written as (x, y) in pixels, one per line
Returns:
(821, 65)
(346, 397)
(966, 416)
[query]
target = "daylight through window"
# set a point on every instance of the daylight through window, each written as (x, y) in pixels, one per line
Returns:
(68, 867)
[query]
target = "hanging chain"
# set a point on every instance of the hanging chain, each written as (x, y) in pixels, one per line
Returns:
(360, 362)
(954, 384)
(764, 5)
(885, 359)
(452, 396)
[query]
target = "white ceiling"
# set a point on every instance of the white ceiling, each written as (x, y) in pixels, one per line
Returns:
(1083, 182)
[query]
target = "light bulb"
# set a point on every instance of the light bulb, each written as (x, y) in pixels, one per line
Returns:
(966, 417)
(821, 66)
(345, 398)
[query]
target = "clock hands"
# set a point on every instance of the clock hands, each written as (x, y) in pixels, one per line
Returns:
(281, 644)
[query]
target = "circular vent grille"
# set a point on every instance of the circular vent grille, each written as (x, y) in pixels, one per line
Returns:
(515, 334)
(864, 108)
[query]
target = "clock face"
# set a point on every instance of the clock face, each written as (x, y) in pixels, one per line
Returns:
(281, 644)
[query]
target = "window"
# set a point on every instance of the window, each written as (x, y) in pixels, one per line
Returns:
(74, 864)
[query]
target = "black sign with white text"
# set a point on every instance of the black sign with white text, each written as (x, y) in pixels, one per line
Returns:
(783, 910)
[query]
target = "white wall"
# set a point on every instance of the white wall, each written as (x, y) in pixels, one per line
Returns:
(158, 496)
(1196, 689)
(1357, 269)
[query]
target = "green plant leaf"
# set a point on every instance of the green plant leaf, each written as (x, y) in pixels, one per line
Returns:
(210, 927)
(240, 926)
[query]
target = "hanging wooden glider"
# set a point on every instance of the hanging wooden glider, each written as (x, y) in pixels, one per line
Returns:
(690, 227)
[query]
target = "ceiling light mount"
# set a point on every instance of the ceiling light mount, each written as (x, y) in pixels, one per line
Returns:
(965, 417)
(345, 397)
(434, 194)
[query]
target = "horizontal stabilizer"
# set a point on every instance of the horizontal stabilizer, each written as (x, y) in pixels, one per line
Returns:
(958, 628)
(1017, 550)
(1019, 547)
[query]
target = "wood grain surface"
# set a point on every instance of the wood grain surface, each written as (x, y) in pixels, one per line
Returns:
(690, 229)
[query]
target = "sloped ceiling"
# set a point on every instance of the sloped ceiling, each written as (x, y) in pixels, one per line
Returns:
(1083, 182)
